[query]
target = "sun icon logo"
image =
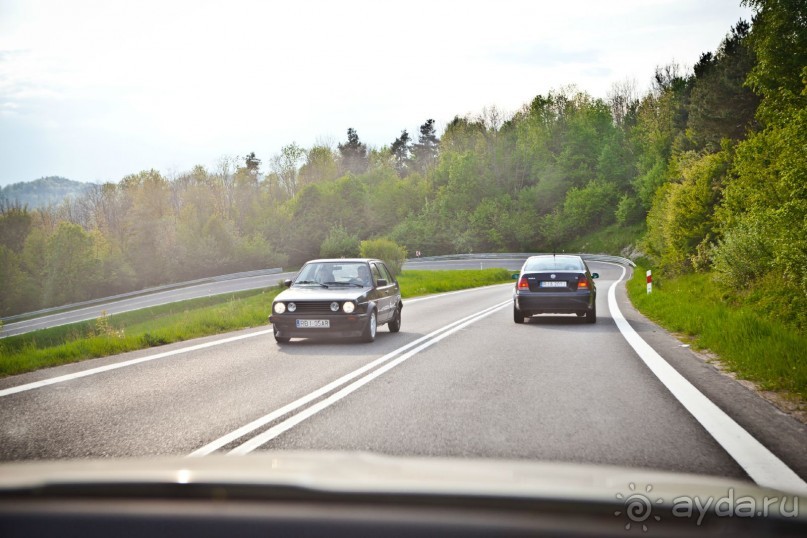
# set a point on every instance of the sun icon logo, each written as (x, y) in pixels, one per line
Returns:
(638, 507)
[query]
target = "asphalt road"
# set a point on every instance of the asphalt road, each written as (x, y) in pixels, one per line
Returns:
(208, 289)
(460, 379)
(142, 301)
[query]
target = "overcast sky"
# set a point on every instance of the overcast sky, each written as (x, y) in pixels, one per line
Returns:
(95, 90)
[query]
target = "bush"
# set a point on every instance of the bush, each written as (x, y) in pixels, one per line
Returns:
(744, 254)
(629, 210)
(339, 244)
(390, 252)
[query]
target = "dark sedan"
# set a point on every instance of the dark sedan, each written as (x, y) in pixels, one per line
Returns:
(338, 297)
(555, 284)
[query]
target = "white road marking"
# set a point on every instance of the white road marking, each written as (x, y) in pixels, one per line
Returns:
(421, 343)
(100, 369)
(761, 464)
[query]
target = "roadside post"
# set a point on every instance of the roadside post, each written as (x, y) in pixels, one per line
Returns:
(649, 281)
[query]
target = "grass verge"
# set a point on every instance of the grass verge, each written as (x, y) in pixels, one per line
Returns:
(184, 320)
(754, 347)
(414, 283)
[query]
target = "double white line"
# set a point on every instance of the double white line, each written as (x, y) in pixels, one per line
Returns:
(402, 353)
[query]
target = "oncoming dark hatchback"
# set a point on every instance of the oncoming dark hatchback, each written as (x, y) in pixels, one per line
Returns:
(338, 297)
(555, 284)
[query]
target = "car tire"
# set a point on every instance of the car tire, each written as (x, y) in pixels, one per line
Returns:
(591, 315)
(395, 323)
(518, 316)
(281, 339)
(371, 328)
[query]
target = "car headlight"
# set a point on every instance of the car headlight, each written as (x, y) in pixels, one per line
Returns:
(292, 307)
(349, 307)
(280, 308)
(334, 307)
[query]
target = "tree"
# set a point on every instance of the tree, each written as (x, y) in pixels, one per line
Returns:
(424, 152)
(353, 153)
(682, 216)
(721, 105)
(320, 165)
(779, 40)
(15, 225)
(623, 99)
(12, 277)
(286, 166)
(402, 153)
(71, 267)
(339, 244)
(252, 163)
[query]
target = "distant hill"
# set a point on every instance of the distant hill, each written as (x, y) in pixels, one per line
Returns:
(42, 192)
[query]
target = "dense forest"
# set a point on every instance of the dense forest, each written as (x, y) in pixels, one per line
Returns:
(709, 167)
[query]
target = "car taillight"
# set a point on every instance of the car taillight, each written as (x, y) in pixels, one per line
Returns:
(582, 282)
(523, 284)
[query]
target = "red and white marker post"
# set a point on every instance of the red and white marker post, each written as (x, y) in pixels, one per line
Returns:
(649, 281)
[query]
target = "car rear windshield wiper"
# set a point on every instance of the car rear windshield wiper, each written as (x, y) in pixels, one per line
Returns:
(311, 282)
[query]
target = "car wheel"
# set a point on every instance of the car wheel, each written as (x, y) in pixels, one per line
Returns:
(591, 315)
(518, 316)
(372, 327)
(395, 323)
(281, 339)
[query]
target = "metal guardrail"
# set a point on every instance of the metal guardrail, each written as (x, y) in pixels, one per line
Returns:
(504, 255)
(147, 291)
(275, 270)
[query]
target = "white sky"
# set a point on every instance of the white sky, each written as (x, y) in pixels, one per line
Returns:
(94, 90)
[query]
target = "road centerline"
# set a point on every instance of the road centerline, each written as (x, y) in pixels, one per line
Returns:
(419, 344)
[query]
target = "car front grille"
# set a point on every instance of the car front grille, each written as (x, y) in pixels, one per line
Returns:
(314, 307)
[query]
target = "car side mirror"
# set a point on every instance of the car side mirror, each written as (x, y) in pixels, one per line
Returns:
(287, 282)
(381, 282)
(595, 275)
(515, 276)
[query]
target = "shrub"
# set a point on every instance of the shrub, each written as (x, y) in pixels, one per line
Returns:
(744, 254)
(390, 252)
(339, 244)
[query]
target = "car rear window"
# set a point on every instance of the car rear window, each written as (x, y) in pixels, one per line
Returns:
(554, 264)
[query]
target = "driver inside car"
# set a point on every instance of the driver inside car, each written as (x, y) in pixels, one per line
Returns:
(363, 276)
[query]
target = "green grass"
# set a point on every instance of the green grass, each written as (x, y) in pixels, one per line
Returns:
(756, 348)
(134, 330)
(415, 283)
(184, 320)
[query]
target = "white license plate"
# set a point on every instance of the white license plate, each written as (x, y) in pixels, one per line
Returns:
(553, 284)
(313, 324)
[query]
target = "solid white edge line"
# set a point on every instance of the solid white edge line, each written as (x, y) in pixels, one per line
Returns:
(100, 369)
(333, 385)
(761, 464)
(289, 423)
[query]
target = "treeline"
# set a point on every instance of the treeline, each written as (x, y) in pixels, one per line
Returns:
(708, 165)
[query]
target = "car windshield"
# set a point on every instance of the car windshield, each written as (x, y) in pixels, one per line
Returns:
(334, 274)
(569, 233)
